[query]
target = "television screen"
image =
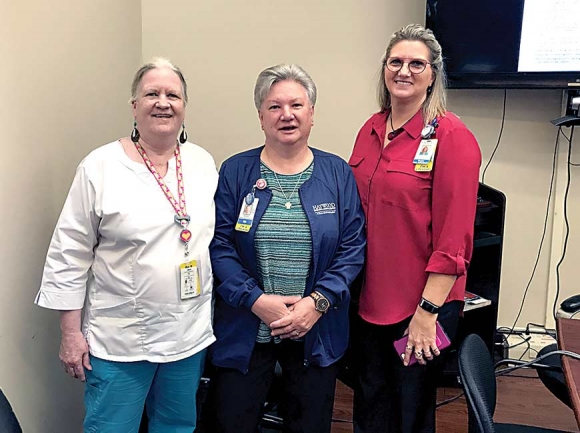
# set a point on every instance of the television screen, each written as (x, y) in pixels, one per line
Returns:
(508, 43)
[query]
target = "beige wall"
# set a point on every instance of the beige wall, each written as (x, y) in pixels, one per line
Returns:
(521, 169)
(222, 45)
(66, 70)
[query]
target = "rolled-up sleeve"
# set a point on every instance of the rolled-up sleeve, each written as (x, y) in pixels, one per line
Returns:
(70, 254)
(454, 201)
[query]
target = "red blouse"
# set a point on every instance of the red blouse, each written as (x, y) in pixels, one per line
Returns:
(417, 222)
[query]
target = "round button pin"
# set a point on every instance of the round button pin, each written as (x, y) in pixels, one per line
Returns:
(261, 183)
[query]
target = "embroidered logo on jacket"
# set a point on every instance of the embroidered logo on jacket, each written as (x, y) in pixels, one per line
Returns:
(324, 208)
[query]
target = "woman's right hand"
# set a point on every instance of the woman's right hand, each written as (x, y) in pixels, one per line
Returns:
(74, 354)
(270, 308)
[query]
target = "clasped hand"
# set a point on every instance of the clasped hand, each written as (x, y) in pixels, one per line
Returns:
(287, 316)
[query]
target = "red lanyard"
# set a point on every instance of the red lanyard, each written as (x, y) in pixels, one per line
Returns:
(181, 216)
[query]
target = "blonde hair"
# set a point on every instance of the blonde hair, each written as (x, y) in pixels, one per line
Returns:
(435, 103)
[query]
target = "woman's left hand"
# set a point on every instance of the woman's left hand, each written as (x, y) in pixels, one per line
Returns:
(301, 319)
(422, 337)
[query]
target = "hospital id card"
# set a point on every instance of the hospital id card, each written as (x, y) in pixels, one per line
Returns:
(190, 281)
(425, 151)
(427, 147)
(246, 217)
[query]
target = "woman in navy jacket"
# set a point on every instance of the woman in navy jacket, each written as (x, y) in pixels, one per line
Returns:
(289, 242)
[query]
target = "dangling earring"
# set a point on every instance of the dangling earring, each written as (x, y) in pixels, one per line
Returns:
(135, 133)
(183, 135)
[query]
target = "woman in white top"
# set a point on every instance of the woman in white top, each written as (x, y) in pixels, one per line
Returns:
(130, 256)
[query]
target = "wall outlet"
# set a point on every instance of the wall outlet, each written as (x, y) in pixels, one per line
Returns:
(527, 351)
(538, 342)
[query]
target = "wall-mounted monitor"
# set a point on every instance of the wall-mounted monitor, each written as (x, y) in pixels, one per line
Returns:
(508, 43)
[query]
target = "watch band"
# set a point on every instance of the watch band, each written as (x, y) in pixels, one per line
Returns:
(429, 306)
(321, 304)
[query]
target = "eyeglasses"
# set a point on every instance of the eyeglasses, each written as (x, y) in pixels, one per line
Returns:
(416, 66)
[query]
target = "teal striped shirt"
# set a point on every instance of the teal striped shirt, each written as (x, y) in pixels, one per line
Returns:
(283, 241)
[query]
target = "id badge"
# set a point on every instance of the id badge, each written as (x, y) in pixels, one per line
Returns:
(425, 151)
(428, 147)
(190, 281)
(246, 217)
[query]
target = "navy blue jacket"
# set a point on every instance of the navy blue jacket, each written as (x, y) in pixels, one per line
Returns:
(332, 206)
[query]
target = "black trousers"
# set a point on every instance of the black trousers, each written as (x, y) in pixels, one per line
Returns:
(308, 394)
(389, 397)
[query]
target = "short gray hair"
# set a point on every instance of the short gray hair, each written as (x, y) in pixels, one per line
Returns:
(270, 76)
(157, 62)
(436, 102)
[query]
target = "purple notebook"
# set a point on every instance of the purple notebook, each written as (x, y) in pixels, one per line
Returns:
(441, 339)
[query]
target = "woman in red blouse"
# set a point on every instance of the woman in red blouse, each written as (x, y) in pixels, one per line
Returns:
(420, 208)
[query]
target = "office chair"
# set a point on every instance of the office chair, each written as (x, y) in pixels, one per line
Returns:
(477, 375)
(554, 379)
(8, 421)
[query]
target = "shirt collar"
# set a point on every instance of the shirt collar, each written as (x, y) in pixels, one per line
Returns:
(413, 127)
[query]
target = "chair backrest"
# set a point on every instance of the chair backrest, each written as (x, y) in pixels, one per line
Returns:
(8, 421)
(478, 380)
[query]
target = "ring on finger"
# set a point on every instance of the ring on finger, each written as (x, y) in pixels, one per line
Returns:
(409, 347)
(418, 354)
(436, 350)
(296, 333)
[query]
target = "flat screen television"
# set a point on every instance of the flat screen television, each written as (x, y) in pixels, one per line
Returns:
(508, 43)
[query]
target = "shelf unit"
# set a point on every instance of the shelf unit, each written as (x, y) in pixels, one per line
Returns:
(483, 275)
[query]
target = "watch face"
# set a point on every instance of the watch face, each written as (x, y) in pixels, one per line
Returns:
(430, 308)
(322, 304)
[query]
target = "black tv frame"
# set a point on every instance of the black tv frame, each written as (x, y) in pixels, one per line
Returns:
(493, 80)
(520, 80)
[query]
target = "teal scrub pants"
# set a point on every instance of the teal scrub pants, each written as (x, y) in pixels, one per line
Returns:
(117, 392)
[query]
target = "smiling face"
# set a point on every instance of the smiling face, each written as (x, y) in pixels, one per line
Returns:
(403, 85)
(286, 115)
(159, 108)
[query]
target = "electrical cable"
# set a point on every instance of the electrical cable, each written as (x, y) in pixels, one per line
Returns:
(546, 217)
(566, 222)
(449, 400)
(535, 361)
(537, 325)
(498, 138)
(519, 364)
(524, 341)
(529, 346)
(564, 134)
(521, 376)
(545, 331)
(572, 163)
